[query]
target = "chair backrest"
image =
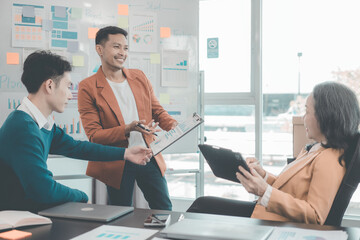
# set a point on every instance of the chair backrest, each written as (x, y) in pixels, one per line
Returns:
(348, 185)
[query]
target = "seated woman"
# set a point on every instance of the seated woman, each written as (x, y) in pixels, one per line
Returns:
(305, 189)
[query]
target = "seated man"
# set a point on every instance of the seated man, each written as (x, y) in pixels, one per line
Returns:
(29, 135)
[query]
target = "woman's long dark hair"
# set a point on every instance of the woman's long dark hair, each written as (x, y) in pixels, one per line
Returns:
(338, 114)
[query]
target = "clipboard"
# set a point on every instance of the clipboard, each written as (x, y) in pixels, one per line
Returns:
(166, 140)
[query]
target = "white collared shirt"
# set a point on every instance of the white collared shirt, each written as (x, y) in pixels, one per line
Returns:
(30, 108)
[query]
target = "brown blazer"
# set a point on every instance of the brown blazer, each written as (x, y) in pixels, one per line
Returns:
(103, 122)
(306, 191)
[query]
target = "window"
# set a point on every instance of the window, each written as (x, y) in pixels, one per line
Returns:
(304, 43)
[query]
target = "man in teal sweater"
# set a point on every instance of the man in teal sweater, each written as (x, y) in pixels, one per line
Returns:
(29, 135)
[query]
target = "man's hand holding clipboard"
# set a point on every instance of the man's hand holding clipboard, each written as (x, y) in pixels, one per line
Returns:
(164, 141)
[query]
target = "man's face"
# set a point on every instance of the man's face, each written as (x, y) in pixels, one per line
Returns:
(113, 52)
(61, 94)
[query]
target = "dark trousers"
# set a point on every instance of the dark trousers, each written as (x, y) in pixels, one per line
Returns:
(222, 206)
(150, 181)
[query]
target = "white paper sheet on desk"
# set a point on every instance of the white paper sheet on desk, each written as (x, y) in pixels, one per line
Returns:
(305, 234)
(164, 141)
(116, 232)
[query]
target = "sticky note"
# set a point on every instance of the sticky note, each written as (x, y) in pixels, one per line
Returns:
(47, 25)
(73, 46)
(155, 58)
(15, 234)
(12, 58)
(60, 12)
(123, 9)
(28, 11)
(164, 98)
(78, 61)
(92, 33)
(165, 32)
(123, 22)
(76, 13)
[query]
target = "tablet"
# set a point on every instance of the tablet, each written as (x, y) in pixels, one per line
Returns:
(223, 162)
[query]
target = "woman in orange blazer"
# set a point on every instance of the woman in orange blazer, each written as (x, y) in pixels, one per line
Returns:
(112, 103)
(305, 189)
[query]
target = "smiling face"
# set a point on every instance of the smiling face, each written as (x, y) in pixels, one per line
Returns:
(113, 53)
(310, 121)
(61, 94)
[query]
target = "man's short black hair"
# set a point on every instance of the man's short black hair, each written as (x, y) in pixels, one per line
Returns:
(102, 35)
(40, 66)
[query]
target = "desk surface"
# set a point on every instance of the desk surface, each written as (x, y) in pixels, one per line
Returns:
(65, 229)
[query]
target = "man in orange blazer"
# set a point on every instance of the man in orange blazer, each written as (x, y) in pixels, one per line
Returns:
(112, 104)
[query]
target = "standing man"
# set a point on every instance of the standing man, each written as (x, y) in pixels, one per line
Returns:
(112, 104)
(29, 134)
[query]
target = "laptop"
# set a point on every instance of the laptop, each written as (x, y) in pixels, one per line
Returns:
(84, 211)
(224, 163)
(196, 229)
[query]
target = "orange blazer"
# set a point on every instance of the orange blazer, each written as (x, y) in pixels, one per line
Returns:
(103, 122)
(305, 192)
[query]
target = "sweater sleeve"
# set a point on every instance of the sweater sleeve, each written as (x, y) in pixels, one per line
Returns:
(63, 144)
(28, 160)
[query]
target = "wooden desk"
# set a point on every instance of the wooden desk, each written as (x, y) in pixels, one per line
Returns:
(65, 229)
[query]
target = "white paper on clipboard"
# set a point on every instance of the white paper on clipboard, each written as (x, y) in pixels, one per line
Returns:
(164, 141)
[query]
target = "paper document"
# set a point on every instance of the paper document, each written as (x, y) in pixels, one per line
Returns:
(116, 232)
(281, 233)
(164, 141)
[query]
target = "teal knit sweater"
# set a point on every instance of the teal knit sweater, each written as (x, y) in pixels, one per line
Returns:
(25, 148)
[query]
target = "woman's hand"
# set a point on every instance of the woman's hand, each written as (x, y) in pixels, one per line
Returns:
(252, 181)
(254, 163)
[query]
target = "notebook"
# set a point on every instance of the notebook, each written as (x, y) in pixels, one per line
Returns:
(84, 211)
(224, 163)
(195, 229)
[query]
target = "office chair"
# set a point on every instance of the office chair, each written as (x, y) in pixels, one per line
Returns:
(348, 185)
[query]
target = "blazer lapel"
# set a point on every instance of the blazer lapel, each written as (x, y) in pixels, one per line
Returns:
(108, 94)
(284, 177)
(136, 87)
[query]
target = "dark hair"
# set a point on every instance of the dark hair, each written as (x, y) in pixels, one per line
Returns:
(40, 66)
(102, 35)
(338, 115)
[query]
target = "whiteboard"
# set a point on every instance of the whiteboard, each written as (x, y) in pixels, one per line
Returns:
(177, 89)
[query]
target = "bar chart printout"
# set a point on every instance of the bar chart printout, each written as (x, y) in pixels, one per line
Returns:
(173, 135)
(116, 232)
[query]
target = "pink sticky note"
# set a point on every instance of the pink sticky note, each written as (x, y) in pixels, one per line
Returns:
(15, 234)
(165, 32)
(123, 9)
(12, 58)
(92, 33)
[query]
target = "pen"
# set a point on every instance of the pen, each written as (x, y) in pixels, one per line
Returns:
(142, 127)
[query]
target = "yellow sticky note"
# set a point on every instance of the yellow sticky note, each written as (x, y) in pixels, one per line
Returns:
(123, 9)
(164, 98)
(123, 22)
(12, 58)
(78, 61)
(165, 32)
(92, 33)
(155, 58)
